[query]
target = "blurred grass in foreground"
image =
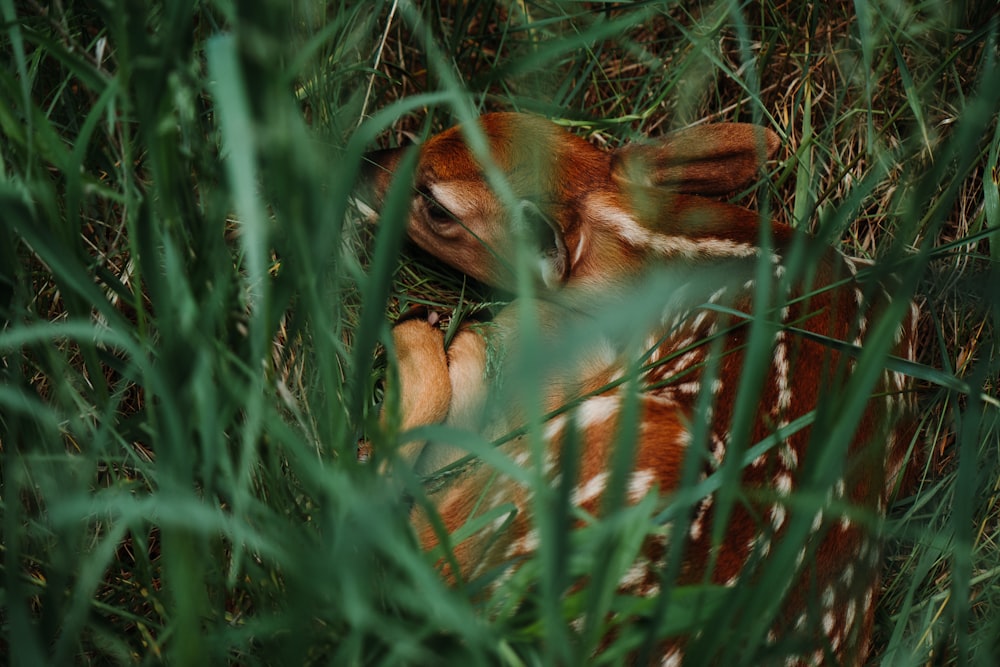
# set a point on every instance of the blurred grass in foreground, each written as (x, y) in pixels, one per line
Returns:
(191, 313)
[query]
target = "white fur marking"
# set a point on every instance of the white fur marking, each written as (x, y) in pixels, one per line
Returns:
(672, 659)
(789, 457)
(553, 429)
(781, 376)
(635, 574)
(828, 623)
(592, 488)
(829, 597)
(778, 516)
(598, 410)
(639, 484)
(783, 483)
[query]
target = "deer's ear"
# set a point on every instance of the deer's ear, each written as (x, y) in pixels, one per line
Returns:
(709, 160)
(545, 237)
(377, 170)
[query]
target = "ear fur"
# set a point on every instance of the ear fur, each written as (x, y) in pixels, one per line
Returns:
(546, 238)
(710, 160)
(376, 173)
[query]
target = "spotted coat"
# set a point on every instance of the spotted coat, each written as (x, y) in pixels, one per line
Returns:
(620, 223)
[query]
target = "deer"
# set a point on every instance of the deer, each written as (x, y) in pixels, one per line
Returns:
(586, 226)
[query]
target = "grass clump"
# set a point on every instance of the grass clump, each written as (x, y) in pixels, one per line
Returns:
(191, 314)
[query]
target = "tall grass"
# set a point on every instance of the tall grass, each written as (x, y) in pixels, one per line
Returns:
(193, 318)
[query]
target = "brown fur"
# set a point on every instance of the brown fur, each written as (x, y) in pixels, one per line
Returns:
(615, 216)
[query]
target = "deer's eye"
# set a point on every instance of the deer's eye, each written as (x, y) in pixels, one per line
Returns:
(435, 211)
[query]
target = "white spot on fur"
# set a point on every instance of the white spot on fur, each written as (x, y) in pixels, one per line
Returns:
(765, 550)
(622, 223)
(498, 498)
(687, 341)
(499, 522)
(829, 597)
(700, 319)
(696, 528)
(698, 523)
(687, 360)
(635, 574)
(554, 428)
(592, 488)
(781, 376)
(598, 410)
(673, 658)
(789, 457)
(501, 580)
(783, 483)
(702, 247)
(716, 296)
(778, 516)
(875, 557)
(525, 545)
(639, 484)
(718, 451)
(548, 462)
(899, 379)
(689, 388)
(828, 623)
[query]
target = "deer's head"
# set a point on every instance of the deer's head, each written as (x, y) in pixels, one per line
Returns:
(582, 212)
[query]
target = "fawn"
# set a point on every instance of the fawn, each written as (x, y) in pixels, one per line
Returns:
(591, 223)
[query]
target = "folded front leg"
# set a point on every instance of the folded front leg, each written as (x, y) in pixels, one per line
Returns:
(424, 388)
(438, 387)
(467, 379)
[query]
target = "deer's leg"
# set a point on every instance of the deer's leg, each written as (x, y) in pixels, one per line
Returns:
(438, 386)
(466, 361)
(424, 388)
